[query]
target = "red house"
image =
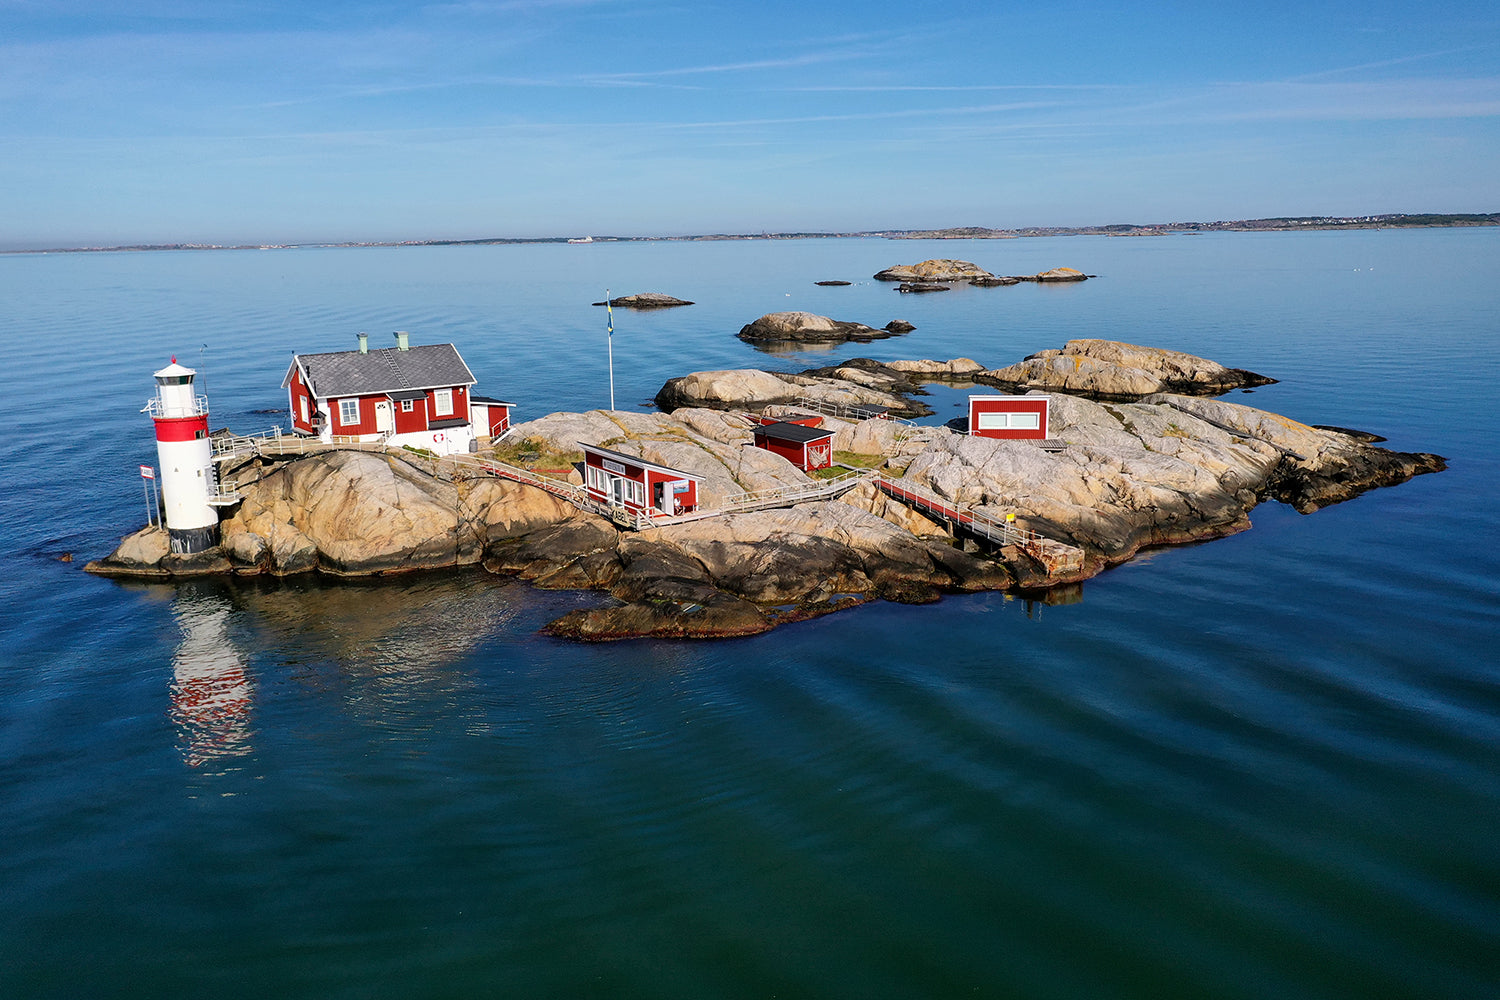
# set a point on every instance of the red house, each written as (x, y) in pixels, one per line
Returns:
(1012, 418)
(418, 396)
(807, 448)
(637, 485)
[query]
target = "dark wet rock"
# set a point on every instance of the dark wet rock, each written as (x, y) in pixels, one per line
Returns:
(994, 281)
(674, 611)
(921, 286)
(833, 284)
(900, 326)
(1364, 436)
(645, 300)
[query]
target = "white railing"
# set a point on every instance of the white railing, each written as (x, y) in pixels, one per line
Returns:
(221, 497)
(275, 442)
(848, 411)
(986, 525)
(794, 493)
(153, 406)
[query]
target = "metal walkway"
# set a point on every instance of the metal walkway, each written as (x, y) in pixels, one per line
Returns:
(964, 517)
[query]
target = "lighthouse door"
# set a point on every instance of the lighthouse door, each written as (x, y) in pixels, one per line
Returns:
(383, 416)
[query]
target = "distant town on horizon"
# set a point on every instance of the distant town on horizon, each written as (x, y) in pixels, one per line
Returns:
(1276, 224)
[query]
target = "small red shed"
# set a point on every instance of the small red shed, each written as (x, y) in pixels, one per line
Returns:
(490, 417)
(1012, 418)
(639, 486)
(807, 448)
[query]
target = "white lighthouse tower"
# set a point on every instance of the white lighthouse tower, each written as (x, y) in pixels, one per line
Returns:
(187, 460)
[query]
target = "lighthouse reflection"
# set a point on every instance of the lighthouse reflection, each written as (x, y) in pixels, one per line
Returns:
(210, 690)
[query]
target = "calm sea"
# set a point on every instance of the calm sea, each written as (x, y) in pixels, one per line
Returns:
(1263, 767)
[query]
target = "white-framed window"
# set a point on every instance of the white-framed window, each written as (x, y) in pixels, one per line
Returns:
(406, 406)
(1009, 421)
(302, 404)
(348, 411)
(442, 402)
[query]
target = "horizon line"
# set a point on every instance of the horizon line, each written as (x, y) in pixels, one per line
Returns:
(1348, 220)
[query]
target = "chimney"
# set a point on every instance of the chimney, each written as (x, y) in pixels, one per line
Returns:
(401, 343)
(364, 343)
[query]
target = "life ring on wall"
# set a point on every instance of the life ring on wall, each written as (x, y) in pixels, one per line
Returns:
(437, 437)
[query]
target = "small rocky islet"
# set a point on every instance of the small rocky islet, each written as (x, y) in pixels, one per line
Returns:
(643, 300)
(810, 328)
(940, 275)
(1140, 455)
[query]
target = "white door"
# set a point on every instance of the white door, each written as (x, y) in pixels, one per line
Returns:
(383, 416)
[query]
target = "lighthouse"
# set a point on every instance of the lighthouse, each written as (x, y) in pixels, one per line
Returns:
(186, 457)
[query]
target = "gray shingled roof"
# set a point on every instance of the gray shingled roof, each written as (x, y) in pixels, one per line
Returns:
(350, 373)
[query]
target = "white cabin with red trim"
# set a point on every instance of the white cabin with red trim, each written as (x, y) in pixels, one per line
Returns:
(1012, 418)
(406, 395)
(639, 486)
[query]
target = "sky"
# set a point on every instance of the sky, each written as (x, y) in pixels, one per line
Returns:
(237, 121)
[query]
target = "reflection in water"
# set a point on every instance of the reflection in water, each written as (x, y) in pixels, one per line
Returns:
(792, 348)
(415, 626)
(210, 690)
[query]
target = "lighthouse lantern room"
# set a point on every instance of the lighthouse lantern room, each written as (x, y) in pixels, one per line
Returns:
(185, 453)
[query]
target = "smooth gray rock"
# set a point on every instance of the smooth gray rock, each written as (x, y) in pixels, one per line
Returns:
(808, 328)
(934, 271)
(1108, 369)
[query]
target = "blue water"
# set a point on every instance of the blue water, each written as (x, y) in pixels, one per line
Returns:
(1264, 766)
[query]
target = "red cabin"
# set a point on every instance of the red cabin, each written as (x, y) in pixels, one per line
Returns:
(637, 485)
(1013, 418)
(807, 448)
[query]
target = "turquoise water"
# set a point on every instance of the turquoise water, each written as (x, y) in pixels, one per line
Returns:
(1265, 766)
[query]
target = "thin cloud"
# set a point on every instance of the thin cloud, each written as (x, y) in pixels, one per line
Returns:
(940, 88)
(809, 59)
(859, 116)
(1382, 64)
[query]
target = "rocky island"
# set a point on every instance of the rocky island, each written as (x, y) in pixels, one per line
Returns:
(644, 300)
(1116, 476)
(933, 275)
(809, 328)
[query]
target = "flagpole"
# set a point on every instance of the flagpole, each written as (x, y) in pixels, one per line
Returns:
(609, 311)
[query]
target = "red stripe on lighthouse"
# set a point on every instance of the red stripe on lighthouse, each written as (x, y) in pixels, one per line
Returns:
(181, 428)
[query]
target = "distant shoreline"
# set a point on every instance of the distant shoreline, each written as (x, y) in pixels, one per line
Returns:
(1277, 224)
